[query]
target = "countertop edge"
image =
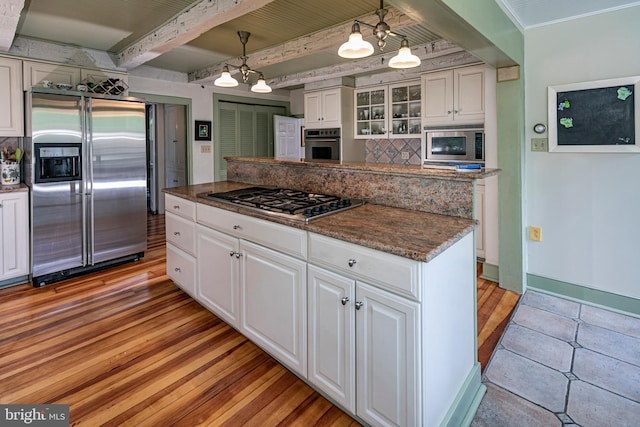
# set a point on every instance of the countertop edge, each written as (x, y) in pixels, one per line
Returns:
(400, 170)
(418, 252)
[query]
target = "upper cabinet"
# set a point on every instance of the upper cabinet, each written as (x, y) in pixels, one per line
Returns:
(34, 73)
(392, 111)
(454, 95)
(327, 108)
(11, 101)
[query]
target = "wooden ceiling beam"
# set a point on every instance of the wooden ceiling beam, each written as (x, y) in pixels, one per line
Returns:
(306, 45)
(187, 26)
(9, 17)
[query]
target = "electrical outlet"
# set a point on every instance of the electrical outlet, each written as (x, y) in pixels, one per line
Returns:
(539, 144)
(535, 233)
(206, 148)
(405, 155)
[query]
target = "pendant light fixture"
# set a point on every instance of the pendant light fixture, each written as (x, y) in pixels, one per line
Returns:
(225, 79)
(356, 47)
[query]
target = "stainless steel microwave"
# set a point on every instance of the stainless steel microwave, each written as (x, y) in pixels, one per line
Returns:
(462, 143)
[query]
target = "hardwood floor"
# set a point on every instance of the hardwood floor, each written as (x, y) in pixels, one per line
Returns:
(126, 347)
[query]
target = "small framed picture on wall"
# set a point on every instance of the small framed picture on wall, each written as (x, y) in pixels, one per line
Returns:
(203, 130)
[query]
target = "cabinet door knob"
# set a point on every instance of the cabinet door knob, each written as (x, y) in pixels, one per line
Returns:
(344, 300)
(351, 262)
(232, 253)
(176, 233)
(449, 112)
(236, 227)
(176, 207)
(358, 305)
(177, 270)
(238, 254)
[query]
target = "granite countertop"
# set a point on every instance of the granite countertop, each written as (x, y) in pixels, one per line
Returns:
(407, 233)
(16, 188)
(407, 170)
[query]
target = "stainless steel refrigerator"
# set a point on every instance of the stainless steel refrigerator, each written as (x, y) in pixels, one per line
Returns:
(86, 166)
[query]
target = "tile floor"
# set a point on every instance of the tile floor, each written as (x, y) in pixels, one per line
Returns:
(562, 363)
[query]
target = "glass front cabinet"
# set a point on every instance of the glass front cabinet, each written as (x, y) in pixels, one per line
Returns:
(371, 106)
(392, 111)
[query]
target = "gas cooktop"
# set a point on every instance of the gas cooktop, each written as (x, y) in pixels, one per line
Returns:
(292, 204)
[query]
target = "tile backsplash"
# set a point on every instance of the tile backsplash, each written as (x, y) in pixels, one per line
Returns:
(390, 151)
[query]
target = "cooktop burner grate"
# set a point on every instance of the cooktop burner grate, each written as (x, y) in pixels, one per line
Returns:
(292, 204)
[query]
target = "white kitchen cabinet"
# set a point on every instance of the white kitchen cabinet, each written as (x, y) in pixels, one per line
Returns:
(218, 274)
(269, 285)
(181, 247)
(353, 321)
(456, 95)
(392, 111)
(14, 235)
(479, 216)
(11, 99)
(34, 73)
(349, 321)
(327, 108)
(274, 304)
(332, 344)
(371, 112)
(388, 354)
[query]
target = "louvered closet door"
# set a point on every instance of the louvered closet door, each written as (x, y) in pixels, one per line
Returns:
(226, 146)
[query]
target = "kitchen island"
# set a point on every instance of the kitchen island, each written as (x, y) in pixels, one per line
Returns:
(372, 306)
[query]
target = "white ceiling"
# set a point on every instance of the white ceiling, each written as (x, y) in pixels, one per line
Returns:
(533, 13)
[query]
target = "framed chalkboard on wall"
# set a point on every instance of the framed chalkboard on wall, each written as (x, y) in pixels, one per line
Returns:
(597, 117)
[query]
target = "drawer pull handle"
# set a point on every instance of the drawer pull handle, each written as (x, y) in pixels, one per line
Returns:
(236, 227)
(352, 262)
(358, 305)
(176, 207)
(176, 233)
(177, 270)
(344, 300)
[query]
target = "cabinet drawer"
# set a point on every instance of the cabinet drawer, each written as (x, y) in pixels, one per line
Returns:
(289, 240)
(181, 268)
(182, 207)
(181, 232)
(391, 272)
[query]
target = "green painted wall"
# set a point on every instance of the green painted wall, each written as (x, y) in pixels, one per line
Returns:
(488, 19)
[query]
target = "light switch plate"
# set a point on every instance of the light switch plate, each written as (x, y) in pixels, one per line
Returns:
(539, 144)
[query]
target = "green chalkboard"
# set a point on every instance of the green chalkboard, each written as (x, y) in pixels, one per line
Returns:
(597, 116)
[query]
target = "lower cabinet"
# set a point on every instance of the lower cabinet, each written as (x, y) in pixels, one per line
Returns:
(14, 235)
(389, 339)
(351, 321)
(218, 271)
(260, 291)
(273, 297)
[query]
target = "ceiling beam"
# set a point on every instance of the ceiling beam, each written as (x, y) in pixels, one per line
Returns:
(304, 46)
(437, 55)
(9, 17)
(186, 26)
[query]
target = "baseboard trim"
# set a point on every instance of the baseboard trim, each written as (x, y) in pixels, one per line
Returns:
(490, 272)
(582, 294)
(467, 401)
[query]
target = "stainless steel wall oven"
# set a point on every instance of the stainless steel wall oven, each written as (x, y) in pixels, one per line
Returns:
(322, 144)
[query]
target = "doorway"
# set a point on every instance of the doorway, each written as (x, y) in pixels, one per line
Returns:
(167, 164)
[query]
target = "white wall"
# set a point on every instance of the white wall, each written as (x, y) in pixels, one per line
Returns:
(588, 205)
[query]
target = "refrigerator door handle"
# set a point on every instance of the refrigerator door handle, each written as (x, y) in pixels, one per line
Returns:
(89, 135)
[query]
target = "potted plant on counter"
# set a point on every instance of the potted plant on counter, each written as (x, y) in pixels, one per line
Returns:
(10, 166)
